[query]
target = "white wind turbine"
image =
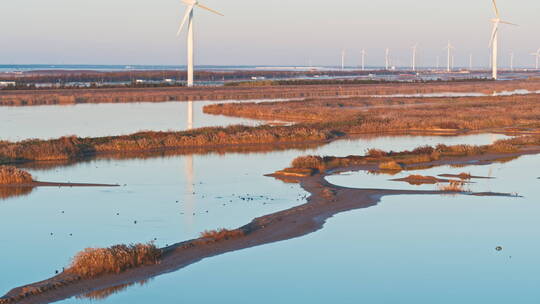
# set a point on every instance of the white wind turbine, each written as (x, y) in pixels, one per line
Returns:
(387, 58)
(414, 49)
(494, 42)
(188, 18)
(449, 61)
(343, 60)
(537, 55)
(512, 61)
(363, 59)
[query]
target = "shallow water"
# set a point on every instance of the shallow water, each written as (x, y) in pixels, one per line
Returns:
(407, 249)
(152, 187)
(105, 119)
(494, 180)
(461, 94)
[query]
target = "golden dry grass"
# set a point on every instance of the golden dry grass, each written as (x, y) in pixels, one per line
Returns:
(214, 236)
(396, 160)
(12, 175)
(93, 262)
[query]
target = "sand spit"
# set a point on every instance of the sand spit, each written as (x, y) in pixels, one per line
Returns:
(326, 200)
(463, 176)
(421, 180)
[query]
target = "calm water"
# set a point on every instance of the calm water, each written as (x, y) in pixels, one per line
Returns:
(408, 249)
(209, 190)
(92, 120)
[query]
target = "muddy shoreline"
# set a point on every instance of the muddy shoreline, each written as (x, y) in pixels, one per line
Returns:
(325, 201)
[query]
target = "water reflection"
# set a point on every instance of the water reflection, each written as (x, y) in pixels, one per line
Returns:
(103, 294)
(7, 192)
(404, 247)
(94, 120)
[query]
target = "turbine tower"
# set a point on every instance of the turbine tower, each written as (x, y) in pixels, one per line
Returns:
(494, 42)
(449, 48)
(363, 59)
(414, 48)
(537, 55)
(188, 18)
(512, 61)
(343, 60)
(470, 62)
(387, 58)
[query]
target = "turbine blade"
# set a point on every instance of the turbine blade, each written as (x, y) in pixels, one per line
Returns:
(493, 35)
(506, 22)
(209, 9)
(186, 17)
(495, 8)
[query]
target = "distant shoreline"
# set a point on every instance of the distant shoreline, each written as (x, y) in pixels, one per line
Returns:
(170, 93)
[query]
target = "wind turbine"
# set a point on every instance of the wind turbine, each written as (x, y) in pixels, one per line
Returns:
(343, 60)
(449, 48)
(470, 62)
(414, 48)
(363, 59)
(537, 55)
(512, 61)
(494, 42)
(387, 58)
(188, 18)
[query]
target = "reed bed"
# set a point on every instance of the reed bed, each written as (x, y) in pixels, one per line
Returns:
(377, 115)
(11, 175)
(94, 262)
(73, 147)
(399, 160)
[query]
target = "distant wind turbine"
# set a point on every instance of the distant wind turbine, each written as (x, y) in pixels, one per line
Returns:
(494, 43)
(537, 55)
(343, 60)
(438, 62)
(414, 49)
(387, 58)
(188, 18)
(470, 62)
(512, 61)
(363, 59)
(449, 48)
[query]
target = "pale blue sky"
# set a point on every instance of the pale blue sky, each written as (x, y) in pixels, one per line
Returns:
(256, 32)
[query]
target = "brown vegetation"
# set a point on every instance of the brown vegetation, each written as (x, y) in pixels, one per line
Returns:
(117, 95)
(420, 180)
(407, 159)
(362, 115)
(215, 236)
(11, 175)
(73, 147)
(93, 262)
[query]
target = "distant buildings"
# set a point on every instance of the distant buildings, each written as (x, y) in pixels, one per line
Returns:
(4, 84)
